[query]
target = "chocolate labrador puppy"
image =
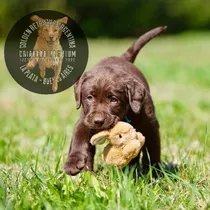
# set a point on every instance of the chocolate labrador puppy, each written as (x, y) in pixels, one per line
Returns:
(114, 90)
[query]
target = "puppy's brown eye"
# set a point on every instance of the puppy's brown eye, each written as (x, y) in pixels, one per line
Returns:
(89, 97)
(114, 99)
(55, 30)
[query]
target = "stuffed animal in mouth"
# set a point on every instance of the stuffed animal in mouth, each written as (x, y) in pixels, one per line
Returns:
(124, 144)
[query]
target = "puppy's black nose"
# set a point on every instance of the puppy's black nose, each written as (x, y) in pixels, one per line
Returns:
(99, 120)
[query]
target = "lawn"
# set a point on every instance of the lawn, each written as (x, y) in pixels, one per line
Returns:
(36, 131)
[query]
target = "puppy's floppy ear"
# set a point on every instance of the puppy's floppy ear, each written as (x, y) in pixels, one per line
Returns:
(35, 18)
(136, 94)
(78, 89)
(63, 20)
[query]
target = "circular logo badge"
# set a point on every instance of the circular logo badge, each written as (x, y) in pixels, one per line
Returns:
(46, 52)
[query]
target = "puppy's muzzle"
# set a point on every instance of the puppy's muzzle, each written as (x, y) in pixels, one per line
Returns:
(100, 121)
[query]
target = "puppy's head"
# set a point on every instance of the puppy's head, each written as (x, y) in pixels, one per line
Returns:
(49, 31)
(106, 97)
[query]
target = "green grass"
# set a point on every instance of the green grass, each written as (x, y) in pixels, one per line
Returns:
(36, 131)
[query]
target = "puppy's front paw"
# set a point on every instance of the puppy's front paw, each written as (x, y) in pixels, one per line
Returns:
(75, 163)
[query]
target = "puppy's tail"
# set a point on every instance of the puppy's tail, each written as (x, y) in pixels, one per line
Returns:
(132, 51)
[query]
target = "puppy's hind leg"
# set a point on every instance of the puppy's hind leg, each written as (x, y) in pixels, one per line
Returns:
(151, 150)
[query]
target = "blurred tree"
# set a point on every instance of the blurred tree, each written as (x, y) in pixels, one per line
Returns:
(116, 18)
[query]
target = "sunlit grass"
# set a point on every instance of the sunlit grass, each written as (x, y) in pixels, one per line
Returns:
(36, 131)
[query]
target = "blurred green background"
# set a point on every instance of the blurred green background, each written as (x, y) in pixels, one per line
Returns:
(36, 130)
(118, 18)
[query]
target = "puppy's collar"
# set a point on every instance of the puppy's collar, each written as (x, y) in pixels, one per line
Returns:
(126, 120)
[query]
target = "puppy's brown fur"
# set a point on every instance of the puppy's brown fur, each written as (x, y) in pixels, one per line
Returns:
(114, 90)
(48, 41)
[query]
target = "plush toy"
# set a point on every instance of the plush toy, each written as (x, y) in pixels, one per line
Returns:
(124, 144)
